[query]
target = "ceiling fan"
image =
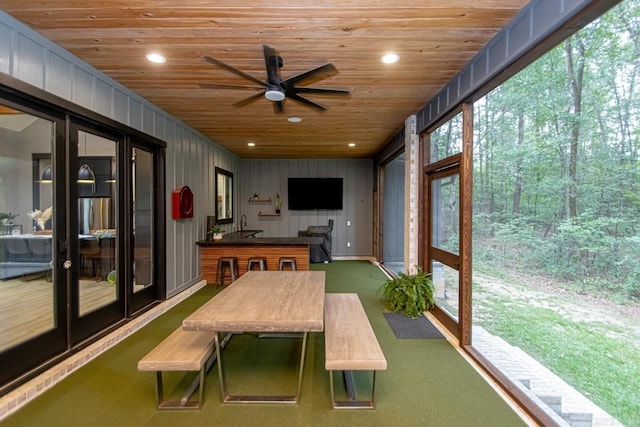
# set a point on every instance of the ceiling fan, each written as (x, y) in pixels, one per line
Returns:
(274, 88)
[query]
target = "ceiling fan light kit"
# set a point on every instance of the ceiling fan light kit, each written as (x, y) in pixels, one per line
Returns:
(274, 95)
(276, 89)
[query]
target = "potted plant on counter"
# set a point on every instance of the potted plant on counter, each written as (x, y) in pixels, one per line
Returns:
(216, 232)
(411, 294)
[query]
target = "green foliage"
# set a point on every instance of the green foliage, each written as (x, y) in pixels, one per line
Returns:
(590, 355)
(411, 294)
(216, 229)
(524, 184)
(7, 216)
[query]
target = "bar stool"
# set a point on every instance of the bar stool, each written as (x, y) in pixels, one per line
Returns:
(284, 261)
(259, 261)
(227, 262)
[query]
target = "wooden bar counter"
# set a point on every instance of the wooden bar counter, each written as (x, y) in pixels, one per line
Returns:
(238, 245)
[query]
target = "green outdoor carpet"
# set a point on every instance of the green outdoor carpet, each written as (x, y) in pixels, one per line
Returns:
(427, 382)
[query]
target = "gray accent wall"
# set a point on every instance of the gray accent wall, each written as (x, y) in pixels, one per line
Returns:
(190, 157)
(268, 177)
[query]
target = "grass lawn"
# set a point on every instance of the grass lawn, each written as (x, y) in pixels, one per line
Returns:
(592, 346)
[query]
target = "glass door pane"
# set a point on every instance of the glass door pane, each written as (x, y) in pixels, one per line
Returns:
(26, 216)
(142, 219)
(445, 213)
(444, 247)
(145, 234)
(98, 288)
(393, 217)
(97, 228)
(32, 290)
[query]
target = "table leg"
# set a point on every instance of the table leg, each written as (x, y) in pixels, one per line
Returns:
(227, 398)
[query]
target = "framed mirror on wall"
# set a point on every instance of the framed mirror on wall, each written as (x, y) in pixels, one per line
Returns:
(224, 196)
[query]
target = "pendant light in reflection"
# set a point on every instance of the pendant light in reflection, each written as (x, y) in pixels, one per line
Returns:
(85, 174)
(47, 175)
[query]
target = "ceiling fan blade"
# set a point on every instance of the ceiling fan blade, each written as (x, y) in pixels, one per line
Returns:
(278, 107)
(224, 86)
(320, 91)
(318, 73)
(233, 70)
(307, 102)
(249, 100)
(273, 63)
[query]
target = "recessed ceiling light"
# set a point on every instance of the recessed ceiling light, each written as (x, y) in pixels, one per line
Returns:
(352, 144)
(156, 58)
(251, 144)
(294, 119)
(390, 58)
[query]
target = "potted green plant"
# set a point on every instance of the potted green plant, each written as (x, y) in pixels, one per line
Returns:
(6, 218)
(216, 232)
(411, 294)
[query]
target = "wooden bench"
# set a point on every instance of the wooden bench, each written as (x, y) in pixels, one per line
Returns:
(350, 345)
(181, 351)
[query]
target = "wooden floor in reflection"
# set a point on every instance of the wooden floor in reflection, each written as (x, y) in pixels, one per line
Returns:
(27, 308)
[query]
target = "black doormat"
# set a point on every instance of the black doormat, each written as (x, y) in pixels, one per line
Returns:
(405, 327)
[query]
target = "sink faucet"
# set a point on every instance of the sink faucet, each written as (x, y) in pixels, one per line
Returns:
(243, 222)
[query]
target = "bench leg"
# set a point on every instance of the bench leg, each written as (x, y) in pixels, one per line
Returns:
(162, 404)
(227, 398)
(198, 381)
(352, 403)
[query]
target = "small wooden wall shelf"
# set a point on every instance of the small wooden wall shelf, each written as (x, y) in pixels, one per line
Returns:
(254, 200)
(268, 214)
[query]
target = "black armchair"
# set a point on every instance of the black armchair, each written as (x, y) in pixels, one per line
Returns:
(321, 252)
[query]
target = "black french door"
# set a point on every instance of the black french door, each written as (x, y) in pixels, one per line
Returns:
(80, 220)
(96, 215)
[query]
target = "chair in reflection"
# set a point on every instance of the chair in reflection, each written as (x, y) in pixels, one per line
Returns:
(89, 256)
(22, 256)
(100, 254)
(41, 252)
(17, 250)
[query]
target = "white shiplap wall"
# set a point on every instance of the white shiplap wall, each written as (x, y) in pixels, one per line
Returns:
(190, 157)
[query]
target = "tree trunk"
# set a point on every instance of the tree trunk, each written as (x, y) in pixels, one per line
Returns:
(517, 190)
(575, 72)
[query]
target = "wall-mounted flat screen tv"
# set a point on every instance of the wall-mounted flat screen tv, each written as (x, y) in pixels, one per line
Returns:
(315, 194)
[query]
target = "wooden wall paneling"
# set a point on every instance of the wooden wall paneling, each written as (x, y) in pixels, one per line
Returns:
(209, 256)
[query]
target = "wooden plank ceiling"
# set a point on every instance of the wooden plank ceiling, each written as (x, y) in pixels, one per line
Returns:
(434, 38)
